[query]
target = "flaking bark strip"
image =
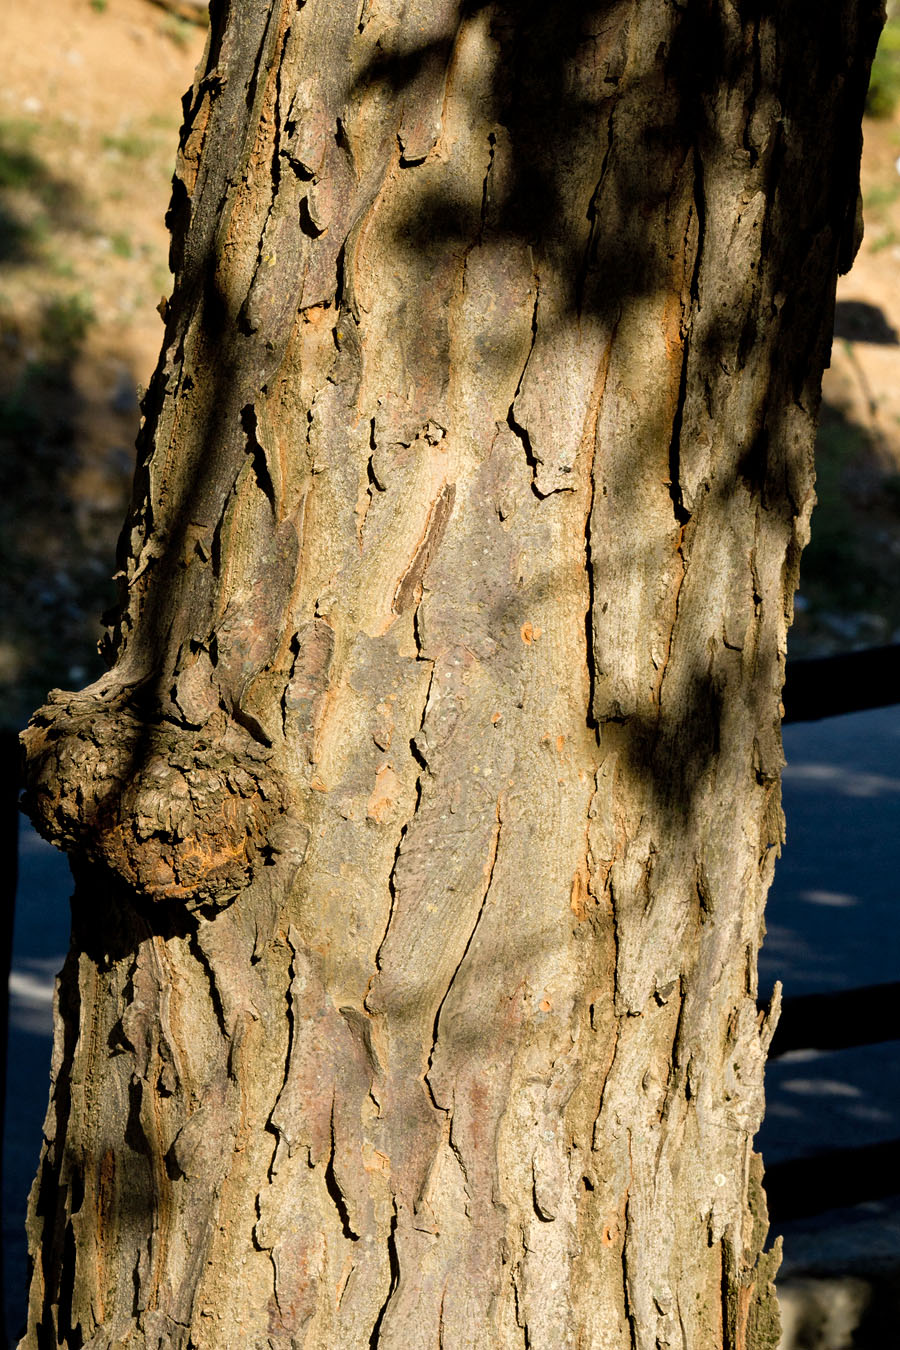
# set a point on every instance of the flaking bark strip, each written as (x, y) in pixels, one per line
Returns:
(438, 519)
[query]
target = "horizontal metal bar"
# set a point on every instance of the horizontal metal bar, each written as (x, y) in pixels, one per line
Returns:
(828, 686)
(865, 1016)
(800, 1187)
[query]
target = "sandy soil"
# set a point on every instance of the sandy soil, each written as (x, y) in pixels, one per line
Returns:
(93, 93)
(864, 378)
(89, 115)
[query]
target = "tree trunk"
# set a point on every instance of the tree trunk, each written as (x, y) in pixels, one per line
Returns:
(423, 823)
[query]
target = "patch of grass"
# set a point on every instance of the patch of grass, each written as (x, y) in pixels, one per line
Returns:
(883, 194)
(61, 266)
(99, 6)
(177, 30)
(58, 196)
(884, 85)
(64, 324)
(17, 240)
(885, 240)
(129, 145)
(34, 198)
(19, 168)
(164, 122)
(19, 418)
(121, 245)
(40, 228)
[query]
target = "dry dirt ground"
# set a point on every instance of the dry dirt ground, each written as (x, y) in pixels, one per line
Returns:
(89, 118)
(849, 593)
(89, 115)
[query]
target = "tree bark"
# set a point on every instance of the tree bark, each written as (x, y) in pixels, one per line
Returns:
(423, 823)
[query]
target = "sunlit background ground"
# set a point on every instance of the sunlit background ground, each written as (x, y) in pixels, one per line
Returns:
(89, 115)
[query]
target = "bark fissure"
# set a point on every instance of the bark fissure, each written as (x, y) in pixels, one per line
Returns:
(394, 1284)
(214, 992)
(592, 215)
(488, 872)
(589, 635)
(334, 1190)
(626, 1277)
(293, 1032)
(485, 199)
(519, 431)
(259, 457)
(415, 756)
(689, 307)
(671, 633)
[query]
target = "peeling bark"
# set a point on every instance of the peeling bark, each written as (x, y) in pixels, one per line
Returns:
(423, 822)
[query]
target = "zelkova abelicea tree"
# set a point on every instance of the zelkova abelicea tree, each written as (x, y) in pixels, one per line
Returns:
(423, 822)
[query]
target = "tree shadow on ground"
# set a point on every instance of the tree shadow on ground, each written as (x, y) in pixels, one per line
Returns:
(56, 541)
(848, 589)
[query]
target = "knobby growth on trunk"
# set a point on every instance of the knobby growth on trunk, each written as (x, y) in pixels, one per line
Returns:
(423, 822)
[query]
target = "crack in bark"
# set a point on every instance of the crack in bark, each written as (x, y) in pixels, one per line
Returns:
(682, 1327)
(756, 87)
(419, 759)
(334, 1190)
(590, 659)
(409, 587)
(394, 1263)
(258, 455)
(544, 1216)
(726, 1264)
(520, 432)
(674, 1061)
(584, 266)
(392, 882)
(520, 1320)
(616, 942)
(489, 871)
(260, 65)
(271, 1123)
(215, 547)
(214, 992)
(629, 1311)
(479, 240)
(492, 142)
(256, 121)
(372, 486)
(664, 664)
(681, 512)
(603, 371)
(276, 115)
(595, 1132)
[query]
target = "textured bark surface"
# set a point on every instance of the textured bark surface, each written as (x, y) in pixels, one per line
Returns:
(423, 824)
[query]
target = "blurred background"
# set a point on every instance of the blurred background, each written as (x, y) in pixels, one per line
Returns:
(89, 117)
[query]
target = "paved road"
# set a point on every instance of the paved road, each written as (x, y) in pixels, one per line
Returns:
(41, 936)
(834, 924)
